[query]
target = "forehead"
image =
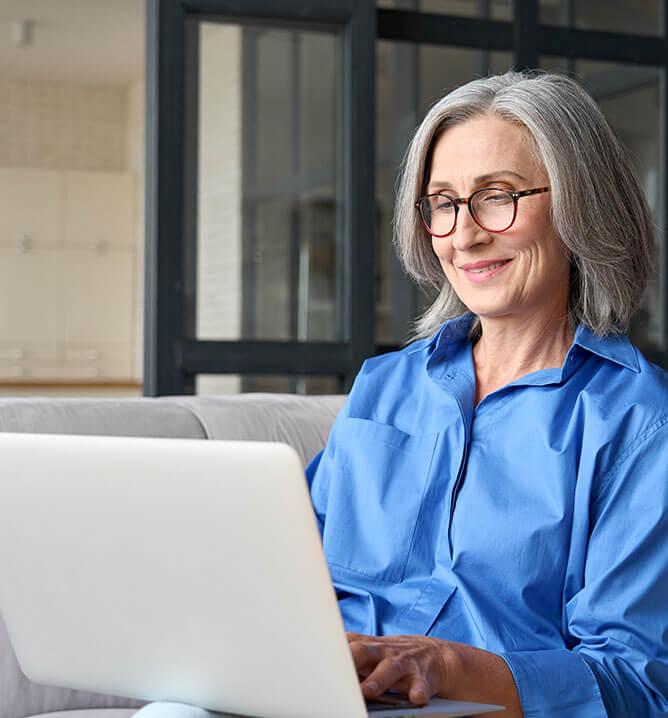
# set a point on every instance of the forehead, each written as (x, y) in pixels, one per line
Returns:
(482, 145)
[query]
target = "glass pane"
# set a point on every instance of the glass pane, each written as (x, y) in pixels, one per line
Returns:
(630, 97)
(410, 79)
(640, 16)
(238, 383)
(267, 205)
(489, 9)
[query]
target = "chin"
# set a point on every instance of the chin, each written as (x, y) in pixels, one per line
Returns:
(486, 310)
(491, 302)
(490, 314)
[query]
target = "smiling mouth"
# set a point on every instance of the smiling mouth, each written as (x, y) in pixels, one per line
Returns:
(488, 267)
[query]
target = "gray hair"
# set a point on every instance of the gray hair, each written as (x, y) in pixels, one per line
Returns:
(598, 208)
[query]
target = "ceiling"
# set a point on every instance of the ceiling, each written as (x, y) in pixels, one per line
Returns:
(97, 42)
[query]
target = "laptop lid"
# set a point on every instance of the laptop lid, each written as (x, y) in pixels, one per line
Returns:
(172, 569)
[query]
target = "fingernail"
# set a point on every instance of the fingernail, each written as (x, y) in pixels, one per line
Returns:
(371, 686)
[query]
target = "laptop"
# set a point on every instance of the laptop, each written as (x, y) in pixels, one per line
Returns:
(176, 570)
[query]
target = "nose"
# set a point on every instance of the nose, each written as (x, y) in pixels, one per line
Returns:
(467, 233)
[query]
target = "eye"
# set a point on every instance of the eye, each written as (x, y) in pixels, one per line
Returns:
(496, 198)
(442, 204)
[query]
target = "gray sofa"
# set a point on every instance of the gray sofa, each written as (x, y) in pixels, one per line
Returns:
(302, 422)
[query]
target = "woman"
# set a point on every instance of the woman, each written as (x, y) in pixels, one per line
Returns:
(492, 498)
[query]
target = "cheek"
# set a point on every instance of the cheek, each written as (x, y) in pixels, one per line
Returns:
(536, 243)
(552, 251)
(442, 248)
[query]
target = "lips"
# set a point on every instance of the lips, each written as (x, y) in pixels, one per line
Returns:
(484, 265)
(485, 270)
(488, 267)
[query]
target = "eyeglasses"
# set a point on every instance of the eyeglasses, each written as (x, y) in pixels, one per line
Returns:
(492, 209)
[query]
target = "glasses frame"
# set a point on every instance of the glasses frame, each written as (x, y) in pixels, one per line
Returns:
(457, 201)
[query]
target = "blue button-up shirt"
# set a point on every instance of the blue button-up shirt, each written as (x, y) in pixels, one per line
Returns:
(534, 525)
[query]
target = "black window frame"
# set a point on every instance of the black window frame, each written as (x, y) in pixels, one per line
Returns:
(173, 356)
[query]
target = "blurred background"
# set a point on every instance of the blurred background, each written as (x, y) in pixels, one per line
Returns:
(267, 173)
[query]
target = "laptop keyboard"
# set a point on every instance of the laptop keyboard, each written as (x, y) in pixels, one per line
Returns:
(387, 701)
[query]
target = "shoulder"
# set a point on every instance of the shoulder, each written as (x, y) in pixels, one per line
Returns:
(637, 390)
(415, 355)
(387, 378)
(391, 379)
(617, 376)
(626, 409)
(411, 355)
(640, 401)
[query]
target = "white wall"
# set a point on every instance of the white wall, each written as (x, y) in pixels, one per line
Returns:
(62, 126)
(219, 201)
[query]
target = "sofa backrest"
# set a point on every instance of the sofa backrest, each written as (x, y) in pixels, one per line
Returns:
(302, 422)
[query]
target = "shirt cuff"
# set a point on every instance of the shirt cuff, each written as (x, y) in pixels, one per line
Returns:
(556, 683)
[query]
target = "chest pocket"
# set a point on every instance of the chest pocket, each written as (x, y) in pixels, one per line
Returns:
(375, 497)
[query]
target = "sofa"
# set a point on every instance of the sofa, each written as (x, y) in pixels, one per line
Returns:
(303, 422)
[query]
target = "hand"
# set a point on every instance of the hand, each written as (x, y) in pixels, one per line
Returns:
(412, 665)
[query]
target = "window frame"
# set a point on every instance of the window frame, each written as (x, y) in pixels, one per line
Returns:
(173, 356)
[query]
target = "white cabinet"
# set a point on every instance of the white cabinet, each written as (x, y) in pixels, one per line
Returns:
(31, 207)
(68, 304)
(30, 289)
(99, 210)
(97, 298)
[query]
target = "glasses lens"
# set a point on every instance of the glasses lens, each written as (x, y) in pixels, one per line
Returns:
(438, 212)
(493, 209)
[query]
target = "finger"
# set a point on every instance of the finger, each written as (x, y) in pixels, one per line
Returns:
(384, 676)
(352, 636)
(420, 692)
(365, 655)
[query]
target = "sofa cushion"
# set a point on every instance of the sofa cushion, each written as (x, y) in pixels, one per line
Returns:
(303, 422)
(101, 417)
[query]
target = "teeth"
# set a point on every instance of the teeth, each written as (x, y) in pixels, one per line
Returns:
(488, 268)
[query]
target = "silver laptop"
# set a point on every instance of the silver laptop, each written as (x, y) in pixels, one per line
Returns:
(176, 570)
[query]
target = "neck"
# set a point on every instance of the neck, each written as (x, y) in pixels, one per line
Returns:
(511, 347)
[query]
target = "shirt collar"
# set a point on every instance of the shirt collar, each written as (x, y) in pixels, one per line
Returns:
(616, 348)
(453, 330)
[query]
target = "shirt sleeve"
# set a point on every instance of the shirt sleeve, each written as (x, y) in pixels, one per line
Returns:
(319, 473)
(618, 621)
(321, 467)
(311, 471)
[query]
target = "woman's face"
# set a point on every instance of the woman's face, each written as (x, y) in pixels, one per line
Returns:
(534, 278)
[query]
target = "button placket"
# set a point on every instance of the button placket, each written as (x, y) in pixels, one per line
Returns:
(458, 385)
(460, 474)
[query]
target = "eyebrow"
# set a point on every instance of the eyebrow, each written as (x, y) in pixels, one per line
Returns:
(480, 179)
